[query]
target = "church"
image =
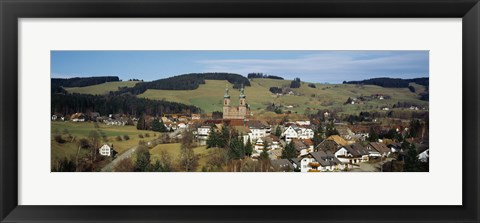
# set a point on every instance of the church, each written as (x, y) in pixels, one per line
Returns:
(240, 112)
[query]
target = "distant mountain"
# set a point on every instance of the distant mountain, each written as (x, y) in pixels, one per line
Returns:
(186, 82)
(391, 82)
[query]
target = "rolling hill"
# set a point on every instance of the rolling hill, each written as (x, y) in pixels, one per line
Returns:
(209, 96)
(100, 89)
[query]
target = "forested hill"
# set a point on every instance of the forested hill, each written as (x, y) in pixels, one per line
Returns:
(391, 82)
(82, 81)
(186, 82)
(116, 104)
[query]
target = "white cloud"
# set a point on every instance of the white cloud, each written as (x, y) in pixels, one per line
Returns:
(332, 66)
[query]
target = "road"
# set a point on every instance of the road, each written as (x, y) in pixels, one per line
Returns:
(127, 154)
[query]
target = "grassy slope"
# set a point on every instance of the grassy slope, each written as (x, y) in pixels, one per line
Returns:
(210, 95)
(82, 130)
(101, 88)
(173, 149)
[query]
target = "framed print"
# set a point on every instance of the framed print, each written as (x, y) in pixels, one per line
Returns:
(239, 111)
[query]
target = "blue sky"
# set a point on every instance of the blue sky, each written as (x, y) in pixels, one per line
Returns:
(311, 66)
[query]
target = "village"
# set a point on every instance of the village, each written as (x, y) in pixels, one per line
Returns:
(247, 143)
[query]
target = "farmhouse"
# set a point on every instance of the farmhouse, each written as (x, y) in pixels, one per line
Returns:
(78, 117)
(320, 161)
(106, 150)
(352, 154)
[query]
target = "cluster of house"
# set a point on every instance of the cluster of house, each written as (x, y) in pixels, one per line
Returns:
(171, 121)
(336, 153)
(179, 121)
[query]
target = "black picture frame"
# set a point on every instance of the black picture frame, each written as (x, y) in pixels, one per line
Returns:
(11, 11)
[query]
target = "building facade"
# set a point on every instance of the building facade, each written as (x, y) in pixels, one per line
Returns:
(233, 112)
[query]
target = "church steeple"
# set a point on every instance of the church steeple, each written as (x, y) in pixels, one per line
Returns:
(226, 98)
(242, 92)
(226, 95)
(242, 97)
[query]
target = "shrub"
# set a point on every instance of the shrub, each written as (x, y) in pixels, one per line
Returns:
(140, 136)
(126, 137)
(118, 138)
(147, 135)
(59, 139)
(84, 143)
(312, 85)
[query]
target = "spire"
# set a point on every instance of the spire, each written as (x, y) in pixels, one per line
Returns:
(242, 92)
(226, 92)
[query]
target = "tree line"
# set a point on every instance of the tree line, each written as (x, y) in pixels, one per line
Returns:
(261, 75)
(185, 82)
(82, 81)
(116, 104)
(391, 82)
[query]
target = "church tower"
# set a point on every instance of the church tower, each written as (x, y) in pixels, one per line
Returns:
(226, 104)
(242, 97)
(242, 109)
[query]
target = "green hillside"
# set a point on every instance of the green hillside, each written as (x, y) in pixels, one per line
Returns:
(209, 96)
(100, 89)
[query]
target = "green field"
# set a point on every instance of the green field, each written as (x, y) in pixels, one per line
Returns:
(209, 96)
(173, 150)
(100, 89)
(80, 130)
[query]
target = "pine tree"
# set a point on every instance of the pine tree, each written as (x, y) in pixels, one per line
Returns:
(141, 123)
(156, 125)
(248, 148)
(331, 130)
(142, 163)
(278, 131)
(412, 164)
(372, 135)
(235, 149)
(224, 137)
(289, 151)
(318, 136)
(213, 138)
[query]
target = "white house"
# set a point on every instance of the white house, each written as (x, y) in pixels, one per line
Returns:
(290, 133)
(203, 132)
(303, 147)
(257, 130)
(307, 122)
(295, 132)
(352, 154)
(320, 161)
(78, 117)
(105, 150)
(423, 157)
(306, 133)
(181, 125)
(378, 149)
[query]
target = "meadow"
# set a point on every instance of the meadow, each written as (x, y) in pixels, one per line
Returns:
(325, 96)
(101, 89)
(79, 130)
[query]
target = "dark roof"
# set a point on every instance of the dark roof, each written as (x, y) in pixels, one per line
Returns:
(356, 149)
(325, 158)
(282, 163)
(255, 124)
(299, 145)
(380, 147)
(420, 147)
(328, 145)
(295, 160)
